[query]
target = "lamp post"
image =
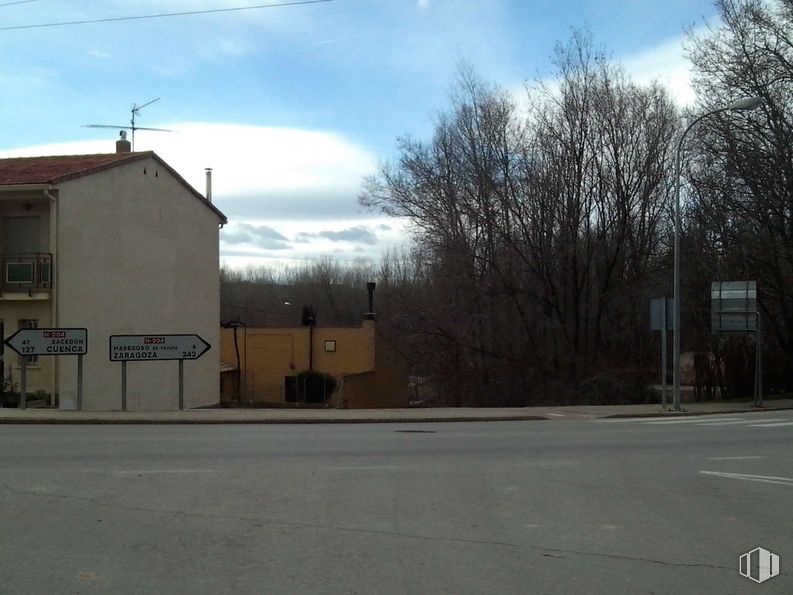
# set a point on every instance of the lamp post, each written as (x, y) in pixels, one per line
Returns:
(746, 104)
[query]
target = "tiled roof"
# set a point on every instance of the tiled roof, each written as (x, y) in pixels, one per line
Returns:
(57, 168)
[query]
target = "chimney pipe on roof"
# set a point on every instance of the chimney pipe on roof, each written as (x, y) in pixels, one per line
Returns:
(370, 315)
(122, 144)
(209, 184)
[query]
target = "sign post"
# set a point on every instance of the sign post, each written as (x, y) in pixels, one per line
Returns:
(758, 375)
(181, 385)
(23, 385)
(49, 341)
(734, 309)
(79, 383)
(124, 385)
(148, 348)
(661, 318)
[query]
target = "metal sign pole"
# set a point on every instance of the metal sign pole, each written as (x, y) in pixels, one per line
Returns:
(79, 383)
(181, 385)
(663, 357)
(123, 385)
(53, 342)
(155, 347)
(23, 390)
(757, 369)
(759, 363)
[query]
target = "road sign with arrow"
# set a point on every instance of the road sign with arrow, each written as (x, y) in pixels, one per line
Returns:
(137, 348)
(49, 341)
(149, 348)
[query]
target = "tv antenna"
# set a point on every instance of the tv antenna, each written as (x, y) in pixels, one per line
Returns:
(135, 112)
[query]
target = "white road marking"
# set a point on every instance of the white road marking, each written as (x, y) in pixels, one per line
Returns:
(783, 481)
(646, 420)
(747, 458)
(733, 423)
(556, 414)
(691, 420)
(153, 471)
(702, 420)
(543, 463)
(365, 468)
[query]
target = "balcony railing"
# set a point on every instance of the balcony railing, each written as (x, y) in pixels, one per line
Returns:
(28, 271)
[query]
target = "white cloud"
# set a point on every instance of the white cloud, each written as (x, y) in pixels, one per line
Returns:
(666, 63)
(102, 55)
(274, 183)
(261, 236)
(263, 159)
(359, 234)
(248, 161)
(347, 240)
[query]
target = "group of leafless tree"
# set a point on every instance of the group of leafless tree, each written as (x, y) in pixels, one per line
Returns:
(739, 221)
(543, 225)
(333, 293)
(539, 232)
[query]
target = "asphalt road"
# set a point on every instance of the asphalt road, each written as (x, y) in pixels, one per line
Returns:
(609, 506)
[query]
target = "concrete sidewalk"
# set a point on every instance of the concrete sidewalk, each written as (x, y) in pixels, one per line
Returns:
(306, 416)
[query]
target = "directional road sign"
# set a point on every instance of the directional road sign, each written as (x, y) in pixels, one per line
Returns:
(733, 307)
(49, 341)
(129, 348)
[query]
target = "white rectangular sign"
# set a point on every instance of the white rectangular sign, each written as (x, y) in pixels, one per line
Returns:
(733, 307)
(49, 341)
(128, 348)
(657, 314)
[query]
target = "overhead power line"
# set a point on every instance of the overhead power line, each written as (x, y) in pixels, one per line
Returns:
(16, 2)
(161, 15)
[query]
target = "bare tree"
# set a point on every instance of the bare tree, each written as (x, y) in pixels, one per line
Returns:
(534, 235)
(741, 172)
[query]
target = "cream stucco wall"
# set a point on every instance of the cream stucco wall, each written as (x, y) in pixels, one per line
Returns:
(18, 305)
(137, 253)
(33, 204)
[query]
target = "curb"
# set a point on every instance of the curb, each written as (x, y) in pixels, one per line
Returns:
(297, 421)
(693, 413)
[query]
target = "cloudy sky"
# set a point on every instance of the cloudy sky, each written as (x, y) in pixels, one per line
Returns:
(293, 105)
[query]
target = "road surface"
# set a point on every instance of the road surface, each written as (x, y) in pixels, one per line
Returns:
(583, 506)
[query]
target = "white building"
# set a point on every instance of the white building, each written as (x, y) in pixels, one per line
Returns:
(119, 244)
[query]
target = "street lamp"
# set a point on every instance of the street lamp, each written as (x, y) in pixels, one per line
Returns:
(742, 105)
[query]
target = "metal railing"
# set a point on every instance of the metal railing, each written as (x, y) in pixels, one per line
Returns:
(26, 271)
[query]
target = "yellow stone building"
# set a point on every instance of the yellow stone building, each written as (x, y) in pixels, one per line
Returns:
(261, 365)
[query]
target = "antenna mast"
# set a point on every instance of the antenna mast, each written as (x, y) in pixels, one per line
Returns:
(133, 127)
(135, 111)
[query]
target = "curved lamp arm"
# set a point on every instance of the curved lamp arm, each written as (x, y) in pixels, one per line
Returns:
(745, 104)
